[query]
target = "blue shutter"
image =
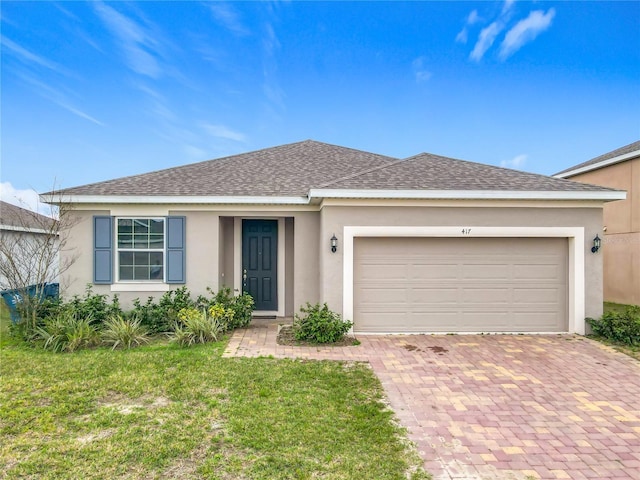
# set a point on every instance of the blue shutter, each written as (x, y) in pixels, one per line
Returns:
(102, 250)
(176, 249)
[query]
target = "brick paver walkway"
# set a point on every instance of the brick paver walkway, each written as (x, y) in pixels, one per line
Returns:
(497, 406)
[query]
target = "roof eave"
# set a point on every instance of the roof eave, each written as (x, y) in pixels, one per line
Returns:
(173, 200)
(595, 166)
(470, 194)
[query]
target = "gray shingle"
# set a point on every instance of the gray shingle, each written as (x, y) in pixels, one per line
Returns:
(287, 170)
(432, 172)
(291, 170)
(14, 216)
(632, 147)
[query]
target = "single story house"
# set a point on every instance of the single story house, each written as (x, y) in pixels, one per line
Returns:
(619, 169)
(28, 247)
(423, 244)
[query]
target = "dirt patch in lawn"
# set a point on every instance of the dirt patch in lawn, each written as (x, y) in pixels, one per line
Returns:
(125, 405)
(286, 337)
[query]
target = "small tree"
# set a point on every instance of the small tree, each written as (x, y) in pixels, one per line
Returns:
(30, 247)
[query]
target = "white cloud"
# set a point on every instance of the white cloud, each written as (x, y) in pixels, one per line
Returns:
(28, 57)
(27, 198)
(220, 131)
(525, 31)
(507, 6)
(485, 40)
(136, 43)
(195, 152)
(270, 85)
(463, 34)
(420, 71)
(57, 97)
(516, 162)
(228, 17)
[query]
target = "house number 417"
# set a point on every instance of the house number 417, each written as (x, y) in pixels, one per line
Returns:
(466, 231)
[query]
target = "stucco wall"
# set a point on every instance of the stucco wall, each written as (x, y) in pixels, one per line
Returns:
(335, 218)
(205, 261)
(621, 240)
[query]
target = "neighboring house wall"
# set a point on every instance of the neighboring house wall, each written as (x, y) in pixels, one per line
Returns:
(621, 240)
(26, 242)
(28, 254)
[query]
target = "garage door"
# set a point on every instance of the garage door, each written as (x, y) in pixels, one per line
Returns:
(412, 285)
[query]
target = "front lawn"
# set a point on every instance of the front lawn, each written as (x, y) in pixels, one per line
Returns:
(161, 411)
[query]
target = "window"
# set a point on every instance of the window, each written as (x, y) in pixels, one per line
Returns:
(140, 249)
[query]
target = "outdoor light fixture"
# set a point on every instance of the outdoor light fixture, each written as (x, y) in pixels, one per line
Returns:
(334, 243)
(596, 244)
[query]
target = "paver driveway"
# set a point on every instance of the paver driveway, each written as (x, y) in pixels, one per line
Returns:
(498, 406)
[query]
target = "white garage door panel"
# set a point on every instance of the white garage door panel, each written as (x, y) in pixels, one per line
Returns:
(460, 284)
(430, 296)
(384, 296)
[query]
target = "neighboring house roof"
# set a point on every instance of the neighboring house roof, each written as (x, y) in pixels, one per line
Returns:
(298, 172)
(616, 156)
(13, 217)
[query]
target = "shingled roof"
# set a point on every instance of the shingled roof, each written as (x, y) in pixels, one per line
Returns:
(15, 217)
(433, 172)
(287, 170)
(295, 169)
(618, 152)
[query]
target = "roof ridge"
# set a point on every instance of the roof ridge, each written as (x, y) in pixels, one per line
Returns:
(357, 174)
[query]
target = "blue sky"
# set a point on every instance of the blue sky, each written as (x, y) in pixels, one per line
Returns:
(98, 90)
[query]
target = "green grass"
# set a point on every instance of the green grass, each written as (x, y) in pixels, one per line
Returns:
(614, 307)
(5, 320)
(631, 350)
(161, 411)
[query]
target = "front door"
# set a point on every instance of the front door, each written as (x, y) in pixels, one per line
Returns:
(259, 262)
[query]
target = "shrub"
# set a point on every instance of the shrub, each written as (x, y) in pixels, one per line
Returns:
(224, 316)
(124, 332)
(195, 326)
(623, 327)
(66, 332)
(242, 306)
(160, 317)
(93, 306)
(319, 325)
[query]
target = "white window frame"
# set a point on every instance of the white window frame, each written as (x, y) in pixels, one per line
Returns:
(162, 250)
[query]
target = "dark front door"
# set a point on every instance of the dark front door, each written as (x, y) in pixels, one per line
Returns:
(259, 262)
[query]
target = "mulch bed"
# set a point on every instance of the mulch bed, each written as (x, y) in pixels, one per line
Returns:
(286, 337)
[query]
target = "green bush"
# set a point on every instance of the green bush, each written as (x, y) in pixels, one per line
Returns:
(66, 332)
(123, 332)
(242, 306)
(623, 327)
(84, 320)
(160, 317)
(319, 325)
(93, 306)
(197, 326)
(243, 309)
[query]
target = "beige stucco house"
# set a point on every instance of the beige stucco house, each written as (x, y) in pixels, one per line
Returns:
(619, 169)
(423, 244)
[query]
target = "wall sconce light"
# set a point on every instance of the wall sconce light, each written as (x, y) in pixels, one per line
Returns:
(596, 244)
(334, 243)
